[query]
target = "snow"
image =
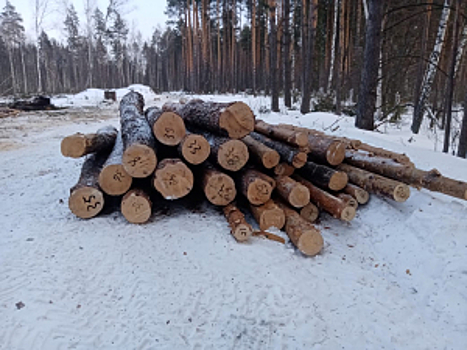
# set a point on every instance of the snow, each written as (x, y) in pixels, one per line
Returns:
(392, 278)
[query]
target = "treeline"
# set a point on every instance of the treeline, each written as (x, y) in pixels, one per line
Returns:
(368, 58)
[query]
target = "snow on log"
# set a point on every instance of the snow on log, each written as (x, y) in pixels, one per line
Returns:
(292, 192)
(168, 127)
(78, 145)
(256, 186)
(239, 228)
(295, 138)
(324, 176)
(173, 179)
(261, 153)
(268, 215)
(194, 148)
(136, 206)
(219, 188)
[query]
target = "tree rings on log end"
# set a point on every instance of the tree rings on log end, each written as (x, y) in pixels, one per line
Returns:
(238, 120)
(136, 207)
(114, 180)
(335, 153)
(259, 191)
(268, 215)
(74, 146)
(338, 181)
(219, 188)
(86, 202)
(173, 179)
(232, 155)
(348, 213)
(270, 159)
(300, 139)
(242, 232)
(139, 160)
(310, 212)
(299, 160)
(299, 196)
(401, 193)
(310, 242)
(195, 149)
(169, 129)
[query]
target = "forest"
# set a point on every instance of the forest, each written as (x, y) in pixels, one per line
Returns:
(375, 60)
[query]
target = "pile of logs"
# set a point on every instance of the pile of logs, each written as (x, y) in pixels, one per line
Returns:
(282, 174)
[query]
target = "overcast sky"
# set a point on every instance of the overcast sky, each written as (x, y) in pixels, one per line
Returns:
(144, 15)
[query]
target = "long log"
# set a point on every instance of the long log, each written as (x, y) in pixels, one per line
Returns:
(348, 200)
(327, 202)
(287, 153)
(219, 188)
(168, 127)
(139, 156)
(325, 150)
(292, 192)
(268, 215)
(324, 176)
(306, 237)
(377, 184)
(136, 206)
(381, 152)
(173, 179)
(194, 148)
(310, 212)
(261, 153)
(295, 138)
(432, 180)
(78, 145)
(230, 154)
(360, 195)
(240, 229)
(284, 169)
(86, 199)
(256, 186)
(113, 178)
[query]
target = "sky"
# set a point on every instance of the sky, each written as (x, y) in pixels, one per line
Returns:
(144, 15)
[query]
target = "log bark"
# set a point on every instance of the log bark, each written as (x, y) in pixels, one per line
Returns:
(287, 153)
(376, 184)
(230, 154)
(139, 156)
(261, 153)
(173, 179)
(240, 229)
(324, 176)
(295, 138)
(381, 152)
(168, 127)
(270, 236)
(79, 145)
(113, 178)
(284, 169)
(86, 199)
(292, 192)
(136, 206)
(325, 150)
(194, 148)
(327, 202)
(306, 237)
(219, 188)
(256, 186)
(310, 212)
(348, 200)
(360, 195)
(268, 215)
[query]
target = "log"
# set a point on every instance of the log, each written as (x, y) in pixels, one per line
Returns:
(86, 199)
(310, 212)
(233, 119)
(113, 178)
(361, 196)
(173, 179)
(287, 153)
(295, 138)
(256, 186)
(292, 192)
(376, 184)
(139, 156)
(324, 176)
(325, 150)
(37, 103)
(381, 152)
(268, 215)
(327, 202)
(240, 229)
(136, 206)
(219, 188)
(261, 153)
(230, 154)
(79, 145)
(306, 237)
(168, 127)
(432, 180)
(270, 236)
(284, 169)
(194, 148)
(348, 200)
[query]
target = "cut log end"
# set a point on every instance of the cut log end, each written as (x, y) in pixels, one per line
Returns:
(268, 215)
(232, 155)
(219, 189)
(310, 212)
(338, 181)
(86, 202)
(259, 191)
(240, 229)
(169, 129)
(401, 193)
(139, 160)
(136, 207)
(335, 154)
(74, 146)
(173, 179)
(301, 139)
(310, 242)
(270, 159)
(348, 213)
(195, 149)
(358, 193)
(242, 232)
(237, 120)
(299, 160)
(299, 196)
(114, 180)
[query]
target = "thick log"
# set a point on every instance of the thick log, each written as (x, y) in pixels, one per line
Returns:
(167, 127)
(194, 148)
(348, 200)
(86, 199)
(268, 215)
(325, 150)
(310, 212)
(113, 178)
(78, 145)
(173, 179)
(256, 186)
(324, 176)
(306, 237)
(139, 156)
(230, 154)
(327, 202)
(287, 153)
(360, 195)
(376, 184)
(240, 229)
(219, 188)
(261, 153)
(233, 119)
(408, 174)
(292, 192)
(136, 206)
(295, 138)
(284, 169)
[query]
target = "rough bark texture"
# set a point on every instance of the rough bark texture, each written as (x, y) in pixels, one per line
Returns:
(268, 215)
(194, 148)
(78, 145)
(348, 200)
(381, 152)
(324, 176)
(284, 169)
(295, 138)
(292, 192)
(325, 150)
(239, 228)
(360, 195)
(136, 206)
(261, 153)
(310, 212)
(273, 57)
(218, 187)
(256, 186)
(173, 179)
(462, 150)
(167, 127)
(230, 154)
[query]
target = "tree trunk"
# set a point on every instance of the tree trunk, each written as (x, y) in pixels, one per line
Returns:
(462, 150)
(268, 215)
(218, 187)
(261, 153)
(78, 145)
(308, 43)
(292, 137)
(256, 186)
(194, 148)
(287, 58)
(324, 177)
(273, 56)
(167, 127)
(325, 150)
(292, 192)
(173, 179)
(239, 228)
(136, 206)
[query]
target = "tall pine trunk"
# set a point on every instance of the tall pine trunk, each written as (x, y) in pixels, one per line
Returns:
(286, 55)
(273, 56)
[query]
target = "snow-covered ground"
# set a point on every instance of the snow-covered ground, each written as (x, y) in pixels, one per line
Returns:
(393, 278)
